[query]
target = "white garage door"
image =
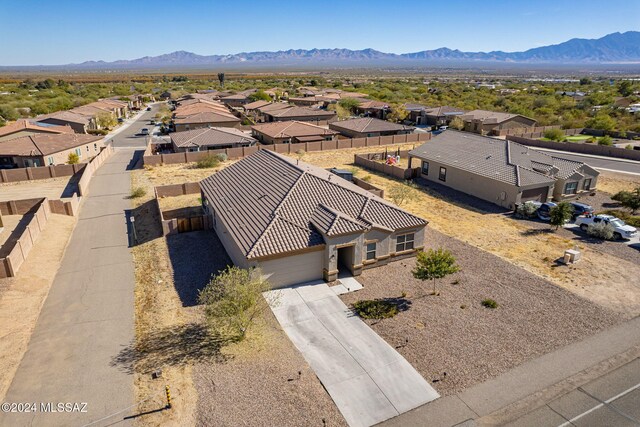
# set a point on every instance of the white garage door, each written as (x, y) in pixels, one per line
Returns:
(293, 269)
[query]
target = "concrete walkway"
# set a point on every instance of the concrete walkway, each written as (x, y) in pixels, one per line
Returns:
(367, 379)
(88, 316)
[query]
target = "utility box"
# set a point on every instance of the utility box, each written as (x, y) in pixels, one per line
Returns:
(571, 256)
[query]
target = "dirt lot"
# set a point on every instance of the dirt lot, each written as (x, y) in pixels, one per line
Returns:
(454, 334)
(611, 182)
(178, 174)
(21, 297)
(211, 383)
(53, 188)
(600, 276)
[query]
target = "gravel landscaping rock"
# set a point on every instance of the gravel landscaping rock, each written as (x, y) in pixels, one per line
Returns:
(455, 342)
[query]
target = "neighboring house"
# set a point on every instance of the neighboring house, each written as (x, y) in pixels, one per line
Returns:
(291, 132)
(260, 113)
(255, 105)
(309, 101)
(369, 127)
(298, 222)
(201, 113)
(499, 171)
(432, 116)
(48, 149)
(377, 109)
(485, 122)
(78, 122)
(210, 139)
(25, 127)
(238, 99)
(292, 112)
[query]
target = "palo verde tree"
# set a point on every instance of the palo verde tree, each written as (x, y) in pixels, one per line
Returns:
(434, 264)
(233, 301)
(560, 214)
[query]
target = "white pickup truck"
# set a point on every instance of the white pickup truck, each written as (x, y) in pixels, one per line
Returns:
(620, 229)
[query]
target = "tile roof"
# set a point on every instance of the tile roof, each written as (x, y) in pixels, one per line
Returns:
(272, 204)
(273, 107)
(366, 105)
(498, 159)
(288, 129)
(444, 110)
(67, 116)
(206, 117)
(211, 137)
(44, 144)
(490, 117)
(295, 111)
(24, 124)
(369, 124)
(256, 104)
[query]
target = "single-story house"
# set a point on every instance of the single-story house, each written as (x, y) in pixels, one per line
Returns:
(500, 171)
(299, 223)
(255, 105)
(25, 127)
(485, 122)
(369, 127)
(292, 112)
(78, 122)
(203, 120)
(377, 109)
(291, 132)
(432, 116)
(48, 149)
(238, 99)
(212, 138)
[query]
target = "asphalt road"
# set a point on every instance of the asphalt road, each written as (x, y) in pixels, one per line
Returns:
(597, 162)
(87, 320)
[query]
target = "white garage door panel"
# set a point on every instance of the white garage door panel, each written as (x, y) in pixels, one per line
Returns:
(294, 269)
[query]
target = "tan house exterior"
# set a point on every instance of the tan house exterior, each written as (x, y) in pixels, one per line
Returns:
(498, 171)
(47, 149)
(369, 127)
(291, 132)
(485, 122)
(24, 127)
(299, 223)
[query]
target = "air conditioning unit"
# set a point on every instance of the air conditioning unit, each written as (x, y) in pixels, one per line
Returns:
(571, 256)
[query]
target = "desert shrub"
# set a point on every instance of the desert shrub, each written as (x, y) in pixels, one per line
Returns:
(366, 178)
(97, 131)
(627, 217)
(489, 303)
(554, 135)
(601, 231)
(210, 161)
(605, 140)
(375, 309)
(137, 192)
(560, 214)
(222, 157)
(73, 159)
(629, 147)
(526, 210)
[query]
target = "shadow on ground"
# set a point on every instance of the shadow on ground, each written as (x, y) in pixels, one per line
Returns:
(72, 185)
(195, 256)
(10, 242)
(460, 199)
(147, 223)
(136, 160)
(174, 346)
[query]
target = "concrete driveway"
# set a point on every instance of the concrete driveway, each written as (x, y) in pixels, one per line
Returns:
(367, 379)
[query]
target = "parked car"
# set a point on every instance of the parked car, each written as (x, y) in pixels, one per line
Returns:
(120, 120)
(620, 229)
(148, 108)
(581, 209)
(544, 211)
(144, 131)
(152, 122)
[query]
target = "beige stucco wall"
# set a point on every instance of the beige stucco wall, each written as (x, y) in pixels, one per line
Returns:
(583, 174)
(230, 246)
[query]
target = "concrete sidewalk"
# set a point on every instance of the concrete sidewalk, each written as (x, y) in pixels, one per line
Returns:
(87, 319)
(367, 379)
(533, 384)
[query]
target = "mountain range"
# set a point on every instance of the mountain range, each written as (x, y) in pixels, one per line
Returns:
(615, 48)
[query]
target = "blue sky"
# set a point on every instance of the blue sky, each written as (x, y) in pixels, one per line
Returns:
(66, 31)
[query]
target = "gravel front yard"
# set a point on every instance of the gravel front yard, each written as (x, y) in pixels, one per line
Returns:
(474, 343)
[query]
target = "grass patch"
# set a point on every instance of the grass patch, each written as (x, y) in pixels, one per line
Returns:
(375, 309)
(137, 192)
(489, 303)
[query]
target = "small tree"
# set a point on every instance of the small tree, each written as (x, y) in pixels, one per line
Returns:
(397, 114)
(554, 135)
(260, 95)
(106, 120)
(434, 264)
(401, 193)
(349, 104)
(526, 209)
(73, 159)
(629, 199)
(233, 301)
(560, 214)
(456, 123)
(221, 79)
(602, 121)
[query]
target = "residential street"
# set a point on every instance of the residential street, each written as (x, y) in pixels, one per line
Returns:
(598, 162)
(88, 316)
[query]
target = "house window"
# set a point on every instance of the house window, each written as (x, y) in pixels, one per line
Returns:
(371, 251)
(571, 188)
(79, 152)
(587, 184)
(443, 174)
(87, 148)
(95, 147)
(50, 160)
(425, 168)
(404, 242)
